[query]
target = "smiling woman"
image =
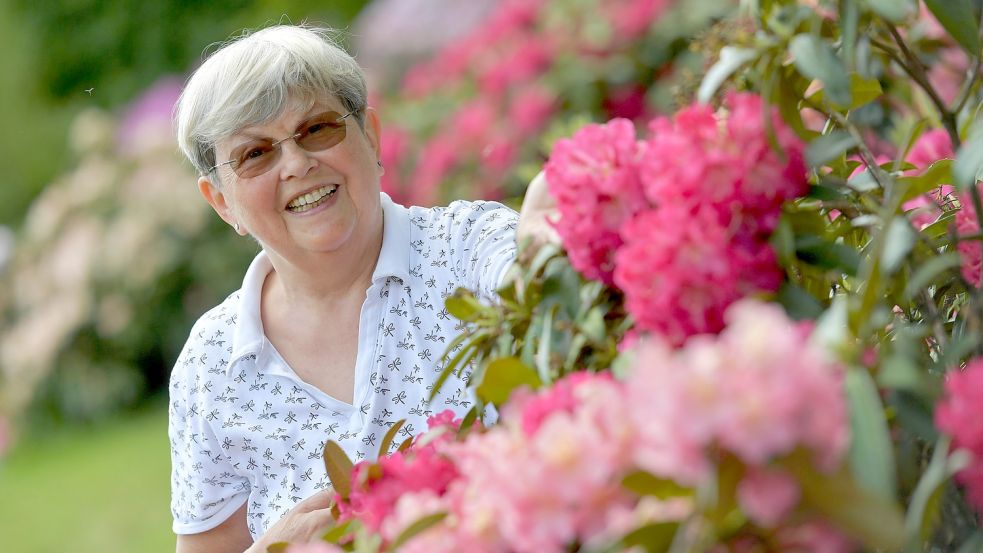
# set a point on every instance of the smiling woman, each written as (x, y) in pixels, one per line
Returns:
(337, 330)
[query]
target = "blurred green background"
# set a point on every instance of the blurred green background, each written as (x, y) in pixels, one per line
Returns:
(89, 468)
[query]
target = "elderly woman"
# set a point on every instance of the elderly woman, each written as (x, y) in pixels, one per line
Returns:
(338, 328)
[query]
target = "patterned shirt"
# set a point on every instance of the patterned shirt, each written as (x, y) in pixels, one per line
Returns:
(244, 428)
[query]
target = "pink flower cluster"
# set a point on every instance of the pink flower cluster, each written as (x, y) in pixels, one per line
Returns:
(959, 416)
(680, 222)
(505, 59)
(377, 487)
(933, 146)
(550, 473)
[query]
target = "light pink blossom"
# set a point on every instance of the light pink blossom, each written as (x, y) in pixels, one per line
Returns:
(767, 496)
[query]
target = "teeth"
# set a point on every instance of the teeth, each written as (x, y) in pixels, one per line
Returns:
(311, 199)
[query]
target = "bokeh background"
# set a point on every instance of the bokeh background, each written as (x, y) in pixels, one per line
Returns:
(108, 255)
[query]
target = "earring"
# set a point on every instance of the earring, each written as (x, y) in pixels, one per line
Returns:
(379, 162)
(236, 226)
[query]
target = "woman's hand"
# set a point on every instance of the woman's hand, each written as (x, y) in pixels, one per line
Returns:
(535, 218)
(302, 524)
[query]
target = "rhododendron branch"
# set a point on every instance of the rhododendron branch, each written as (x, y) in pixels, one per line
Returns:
(967, 92)
(917, 72)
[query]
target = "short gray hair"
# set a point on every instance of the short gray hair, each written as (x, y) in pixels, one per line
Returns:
(251, 79)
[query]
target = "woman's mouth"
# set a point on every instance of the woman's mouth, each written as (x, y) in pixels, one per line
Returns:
(309, 201)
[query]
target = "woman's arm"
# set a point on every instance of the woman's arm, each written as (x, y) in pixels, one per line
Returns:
(232, 536)
(538, 210)
(305, 522)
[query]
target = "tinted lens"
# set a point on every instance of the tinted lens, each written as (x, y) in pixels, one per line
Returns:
(322, 132)
(318, 133)
(254, 158)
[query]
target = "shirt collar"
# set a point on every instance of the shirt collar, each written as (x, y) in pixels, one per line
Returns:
(394, 261)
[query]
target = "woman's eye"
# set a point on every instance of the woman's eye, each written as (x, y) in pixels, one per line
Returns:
(254, 153)
(316, 128)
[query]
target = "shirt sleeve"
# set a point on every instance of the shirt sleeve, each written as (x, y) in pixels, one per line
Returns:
(205, 487)
(482, 242)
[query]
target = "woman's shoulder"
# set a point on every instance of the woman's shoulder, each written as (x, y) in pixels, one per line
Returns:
(210, 340)
(461, 212)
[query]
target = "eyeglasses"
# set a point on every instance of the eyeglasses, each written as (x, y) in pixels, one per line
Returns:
(318, 133)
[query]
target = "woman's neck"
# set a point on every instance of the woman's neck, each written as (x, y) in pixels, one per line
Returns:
(324, 279)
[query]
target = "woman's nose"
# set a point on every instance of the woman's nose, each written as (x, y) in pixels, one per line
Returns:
(294, 160)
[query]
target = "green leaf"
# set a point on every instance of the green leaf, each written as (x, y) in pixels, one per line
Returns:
(969, 160)
(937, 174)
(828, 147)
(387, 440)
(924, 503)
(339, 468)
(731, 59)
(463, 305)
(815, 59)
(337, 533)
(544, 347)
(416, 528)
(898, 242)
(871, 451)
(958, 17)
(829, 255)
(892, 10)
(644, 483)
(929, 271)
(504, 375)
(654, 538)
(899, 372)
(862, 89)
(974, 544)
(798, 303)
(277, 547)
(876, 521)
(593, 325)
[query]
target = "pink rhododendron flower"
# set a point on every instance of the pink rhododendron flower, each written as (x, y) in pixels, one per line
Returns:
(594, 178)
(755, 388)
(958, 415)
(421, 469)
(767, 496)
(531, 108)
(971, 250)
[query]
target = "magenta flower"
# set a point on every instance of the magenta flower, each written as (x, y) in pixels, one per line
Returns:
(958, 415)
(594, 178)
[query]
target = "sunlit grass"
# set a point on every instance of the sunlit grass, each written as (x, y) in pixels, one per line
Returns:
(101, 489)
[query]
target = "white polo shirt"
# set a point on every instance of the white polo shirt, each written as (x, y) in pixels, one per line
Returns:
(244, 428)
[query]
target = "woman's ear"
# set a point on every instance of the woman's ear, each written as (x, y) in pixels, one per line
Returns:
(373, 130)
(219, 202)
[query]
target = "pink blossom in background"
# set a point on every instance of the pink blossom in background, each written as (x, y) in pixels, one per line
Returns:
(958, 415)
(631, 18)
(814, 536)
(594, 178)
(931, 146)
(394, 146)
(767, 496)
(970, 250)
(146, 123)
(438, 157)
(530, 109)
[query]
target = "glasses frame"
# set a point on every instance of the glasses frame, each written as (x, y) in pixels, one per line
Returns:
(276, 145)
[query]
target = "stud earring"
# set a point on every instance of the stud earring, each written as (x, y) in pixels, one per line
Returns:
(379, 162)
(236, 226)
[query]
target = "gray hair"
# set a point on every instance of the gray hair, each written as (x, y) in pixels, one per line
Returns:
(255, 77)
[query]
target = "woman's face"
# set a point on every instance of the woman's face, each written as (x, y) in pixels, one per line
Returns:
(320, 201)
